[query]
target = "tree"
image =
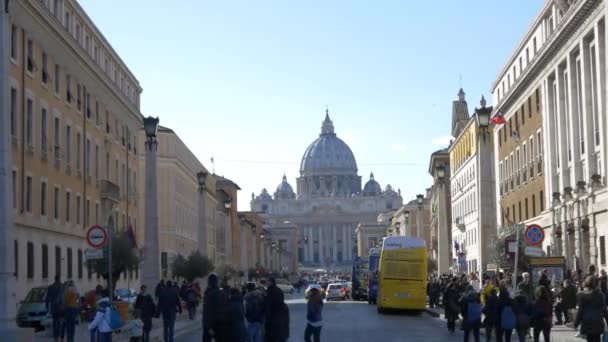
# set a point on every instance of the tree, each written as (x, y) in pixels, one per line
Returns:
(498, 253)
(431, 265)
(124, 258)
(226, 272)
(196, 266)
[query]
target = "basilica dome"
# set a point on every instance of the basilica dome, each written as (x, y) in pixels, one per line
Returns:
(284, 190)
(328, 154)
(372, 188)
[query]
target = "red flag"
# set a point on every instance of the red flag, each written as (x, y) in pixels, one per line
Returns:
(131, 235)
(498, 119)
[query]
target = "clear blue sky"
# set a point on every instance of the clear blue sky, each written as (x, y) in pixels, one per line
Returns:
(248, 81)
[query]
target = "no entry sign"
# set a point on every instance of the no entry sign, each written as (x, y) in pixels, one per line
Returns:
(534, 235)
(97, 236)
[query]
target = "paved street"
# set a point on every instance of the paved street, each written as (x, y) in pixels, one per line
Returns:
(358, 321)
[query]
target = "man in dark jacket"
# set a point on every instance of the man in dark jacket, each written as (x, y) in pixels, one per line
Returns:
(592, 311)
(212, 306)
(144, 304)
(277, 314)
(566, 301)
(168, 306)
(54, 304)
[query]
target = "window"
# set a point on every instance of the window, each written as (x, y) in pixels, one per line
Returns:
(87, 158)
(28, 194)
(533, 205)
(68, 202)
(14, 189)
(524, 162)
(69, 257)
(78, 209)
(521, 65)
(30, 260)
(14, 42)
(43, 199)
(13, 112)
(87, 215)
(107, 166)
(96, 213)
(97, 112)
(88, 105)
(519, 207)
(67, 22)
(16, 256)
(78, 150)
(78, 97)
(30, 55)
(45, 73)
(45, 261)
(531, 157)
(526, 208)
(56, 204)
(68, 145)
(29, 122)
(527, 56)
(58, 261)
(534, 45)
(539, 152)
(68, 88)
(602, 250)
(96, 162)
(57, 81)
(541, 198)
(80, 261)
(43, 134)
(579, 104)
(107, 122)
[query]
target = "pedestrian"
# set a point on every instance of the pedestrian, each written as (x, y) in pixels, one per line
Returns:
(450, 305)
(506, 316)
(277, 314)
(90, 300)
(474, 281)
(489, 285)
(235, 317)
(525, 288)
(592, 311)
(490, 312)
(254, 313)
(144, 304)
(212, 310)
(54, 305)
(191, 302)
(314, 317)
(542, 314)
(523, 311)
(71, 298)
(168, 306)
(567, 302)
(545, 282)
(159, 288)
(101, 322)
(471, 312)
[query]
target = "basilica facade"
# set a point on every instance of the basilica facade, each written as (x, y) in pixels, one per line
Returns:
(328, 205)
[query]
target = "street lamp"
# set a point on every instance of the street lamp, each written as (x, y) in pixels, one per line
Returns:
(202, 211)
(151, 262)
(483, 117)
(440, 171)
(398, 227)
(261, 236)
(419, 201)
(228, 204)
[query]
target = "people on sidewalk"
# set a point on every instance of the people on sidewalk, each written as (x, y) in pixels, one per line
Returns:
(212, 310)
(101, 322)
(277, 314)
(146, 309)
(254, 314)
(451, 306)
(490, 312)
(54, 305)
(592, 311)
(506, 316)
(523, 312)
(314, 317)
(525, 287)
(71, 298)
(235, 317)
(471, 313)
(168, 306)
(542, 314)
(566, 301)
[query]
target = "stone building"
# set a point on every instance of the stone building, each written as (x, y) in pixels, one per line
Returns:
(329, 203)
(74, 112)
(560, 67)
(441, 215)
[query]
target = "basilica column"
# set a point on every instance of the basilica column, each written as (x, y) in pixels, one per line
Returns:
(321, 252)
(344, 257)
(334, 243)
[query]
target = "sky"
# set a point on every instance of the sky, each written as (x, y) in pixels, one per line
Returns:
(247, 82)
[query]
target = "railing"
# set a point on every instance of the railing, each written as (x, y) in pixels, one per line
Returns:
(109, 190)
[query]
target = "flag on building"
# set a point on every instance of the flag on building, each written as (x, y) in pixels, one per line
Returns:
(498, 119)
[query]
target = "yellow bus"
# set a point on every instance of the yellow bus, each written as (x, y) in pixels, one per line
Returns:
(402, 274)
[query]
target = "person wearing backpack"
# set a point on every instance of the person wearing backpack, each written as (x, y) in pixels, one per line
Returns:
(523, 312)
(101, 322)
(490, 312)
(506, 316)
(542, 314)
(314, 317)
(471, 312)
(254, 313)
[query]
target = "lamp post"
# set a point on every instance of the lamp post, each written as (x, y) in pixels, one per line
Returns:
(443, 244)
(485, 165)
(7, 278)
(419, 201)
(228, 230)
(202, 212)
(398, 227)
(151, 263)
(406, 222)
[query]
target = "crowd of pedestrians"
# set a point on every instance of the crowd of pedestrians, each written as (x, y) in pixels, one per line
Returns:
(526, 310)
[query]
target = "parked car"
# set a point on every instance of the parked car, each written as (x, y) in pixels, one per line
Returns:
(335, 291)
(285, 286)
(346, 289)
(314, 286)
(32, 310)
(126, 295)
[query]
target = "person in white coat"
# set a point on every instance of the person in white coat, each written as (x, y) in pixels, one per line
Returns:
(102, 320)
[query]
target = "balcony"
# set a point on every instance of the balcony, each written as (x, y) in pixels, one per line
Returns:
(109, 191)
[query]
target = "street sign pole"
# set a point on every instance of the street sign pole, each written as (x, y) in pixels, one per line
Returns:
(110, 289)
(514, 276)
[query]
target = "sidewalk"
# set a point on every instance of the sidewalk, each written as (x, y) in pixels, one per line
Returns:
(559, 333)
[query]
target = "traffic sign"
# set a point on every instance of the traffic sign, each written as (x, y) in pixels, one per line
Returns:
(93, 254)
(534, 235)
(533, 251)
(97, 236)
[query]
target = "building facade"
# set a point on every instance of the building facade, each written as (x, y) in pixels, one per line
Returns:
(441, 215)
(178, 209)
(74, 113)
(329, 203)
(562, 60)
(471, 189)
